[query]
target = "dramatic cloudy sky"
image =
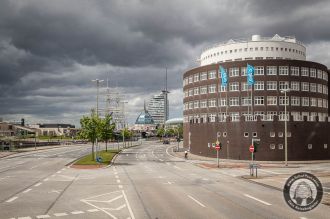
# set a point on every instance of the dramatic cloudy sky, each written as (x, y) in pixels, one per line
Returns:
(50, 50)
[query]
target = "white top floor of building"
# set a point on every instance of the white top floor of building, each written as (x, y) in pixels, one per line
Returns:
(256, 48)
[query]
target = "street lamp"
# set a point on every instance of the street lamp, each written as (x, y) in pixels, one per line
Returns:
(97, 94)
(285, 126)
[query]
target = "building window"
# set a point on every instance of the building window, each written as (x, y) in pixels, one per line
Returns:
(244, 86)
(282, 101)
(254, 134)
(271, 100)
(203, 90)
(271, 85)
(196, 104)
(190, 79)
(243, 71)
(283, 85)
(305, 101)
(319, 74)
(319, 88)
(312, 87)
(196, 77)
(295, 101)
(325, 76)
(313, 73)
(246, 134)
(223, 102)
(304, 86)
(234, 86)
(259, 100)
(294, 71)
(325, 146)
(271, 70)
(319, 102)
(203, 76)
(310, 146)
(325, 89)
(295, 85)
(234, 101)
(191, 105)
(212, 117)
(280, 146)
(259, 113)
(233, 72)
(212, 103)
(272, 146)
(246, 101)
(186, 94)
(283, 70)
(212, 88)
(259, 70)
(191, 92)
(272, 134)
(259, 85)
(203, 104)
(313, 101)
(212, 75)
(196, 91)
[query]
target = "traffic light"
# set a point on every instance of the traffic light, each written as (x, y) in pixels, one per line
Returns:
(256, 145)
(220, 146)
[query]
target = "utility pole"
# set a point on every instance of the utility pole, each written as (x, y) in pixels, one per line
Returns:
(285, 125)
(98, 81)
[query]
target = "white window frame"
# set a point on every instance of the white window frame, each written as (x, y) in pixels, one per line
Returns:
(271, 85)
(234, 86)
(304, 86)
(234, 72)
(259, 70)
(283, 70)
(295, 101)
(203, 90)
(295, 85)
(294, 71)
(271, 100)
(271, 70)
(259, 100)
(259, 85)
(234, 101)
(212, 88)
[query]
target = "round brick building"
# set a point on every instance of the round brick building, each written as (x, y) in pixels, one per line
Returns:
(236, 113)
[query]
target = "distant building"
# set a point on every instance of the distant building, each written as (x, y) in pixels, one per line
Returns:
(144, 122)
(12, 129)
(156, 108)
(174, 123)
(54, 129)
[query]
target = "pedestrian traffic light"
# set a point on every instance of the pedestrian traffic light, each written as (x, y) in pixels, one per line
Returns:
(220, 145)
(256, 145)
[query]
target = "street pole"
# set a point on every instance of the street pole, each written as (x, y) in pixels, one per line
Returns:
(285, 125)
(218, 158)
(285, 132)
(35, 140)
(98, 81)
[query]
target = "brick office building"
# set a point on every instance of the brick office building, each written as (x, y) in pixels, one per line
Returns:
(230, 115)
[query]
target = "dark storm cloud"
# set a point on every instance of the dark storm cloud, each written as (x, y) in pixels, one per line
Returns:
(50, 50)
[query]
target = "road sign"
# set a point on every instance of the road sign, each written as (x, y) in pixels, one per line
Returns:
(217, 147)
(251, 149)
(217, 142)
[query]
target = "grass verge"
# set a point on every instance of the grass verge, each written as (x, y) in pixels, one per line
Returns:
(105, 155)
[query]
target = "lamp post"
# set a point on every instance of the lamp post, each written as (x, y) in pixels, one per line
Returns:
(285, 126)
(98, 81)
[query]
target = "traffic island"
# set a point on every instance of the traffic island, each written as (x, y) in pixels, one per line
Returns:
(103, 159)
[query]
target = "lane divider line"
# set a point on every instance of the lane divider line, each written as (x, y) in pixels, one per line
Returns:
(195, 200)
(43, 216)
(12, 199)
(38, 184)
(254, 198)
(26, 191)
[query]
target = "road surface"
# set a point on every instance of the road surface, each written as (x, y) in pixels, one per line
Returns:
(145, 182)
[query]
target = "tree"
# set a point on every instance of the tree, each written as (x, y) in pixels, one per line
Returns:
(160, 132)
(106, 128)
(89, 129)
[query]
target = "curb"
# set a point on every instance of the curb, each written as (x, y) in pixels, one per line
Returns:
(261, 184)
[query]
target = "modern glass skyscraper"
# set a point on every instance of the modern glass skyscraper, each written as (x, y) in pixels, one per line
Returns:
(156, 108)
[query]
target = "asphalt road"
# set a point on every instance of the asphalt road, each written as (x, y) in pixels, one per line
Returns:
(145, 182)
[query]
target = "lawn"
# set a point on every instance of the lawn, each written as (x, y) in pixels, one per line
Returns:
(105, 155)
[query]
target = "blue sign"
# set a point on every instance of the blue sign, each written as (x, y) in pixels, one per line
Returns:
(250, 74)
(224, 77)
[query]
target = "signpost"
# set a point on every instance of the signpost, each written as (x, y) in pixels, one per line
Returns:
(217, 147)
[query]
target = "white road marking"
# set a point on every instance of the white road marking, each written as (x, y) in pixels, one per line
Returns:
(34, 167)
(126, 155)
(38, 184)
(326, 187)
(118, 180)
(161, 160)
(196, 201)
(28, 190)
(128, 205)
(303, 217)
(168, 163)
(177, 167)
(205, 179)
(116, 177)
(43, 216)
(45, 179)
(12, 199)
(24, 217)
(60, 214)
(93, 210)
(58, 171)
(254, 198)
(120, 186)
(77, 212)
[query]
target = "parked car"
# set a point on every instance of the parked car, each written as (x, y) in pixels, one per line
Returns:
(166, 141)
